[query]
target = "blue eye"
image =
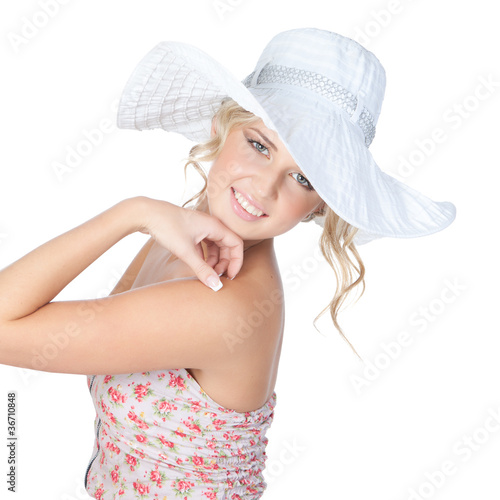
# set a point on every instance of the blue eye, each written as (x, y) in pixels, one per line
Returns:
(259, 147)
(302, 181)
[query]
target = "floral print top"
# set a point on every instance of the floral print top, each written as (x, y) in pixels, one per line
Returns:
(160, 436)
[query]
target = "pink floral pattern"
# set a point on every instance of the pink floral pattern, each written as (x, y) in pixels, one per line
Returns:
(159, 435)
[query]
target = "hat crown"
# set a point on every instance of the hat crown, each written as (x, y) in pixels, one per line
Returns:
(334, 57)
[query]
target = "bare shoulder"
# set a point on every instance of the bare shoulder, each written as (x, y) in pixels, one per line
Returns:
(179, 323)
(258, 305)
(245, 376)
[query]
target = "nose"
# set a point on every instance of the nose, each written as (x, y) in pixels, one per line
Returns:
(266, 182)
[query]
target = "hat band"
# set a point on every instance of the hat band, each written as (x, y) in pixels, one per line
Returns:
(321, 85)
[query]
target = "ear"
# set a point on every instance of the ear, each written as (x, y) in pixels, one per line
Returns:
(321, 207)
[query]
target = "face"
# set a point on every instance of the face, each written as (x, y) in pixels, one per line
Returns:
(255, 187)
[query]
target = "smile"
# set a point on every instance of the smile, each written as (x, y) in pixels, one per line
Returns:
(248, 208)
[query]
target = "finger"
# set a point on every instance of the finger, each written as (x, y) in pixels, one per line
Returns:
(221, 267)
(230, 261)
(199, 250)
(212, 253)
(235, 260)
(232, 247)
(212, 261)
(224, 260)
(202, 270)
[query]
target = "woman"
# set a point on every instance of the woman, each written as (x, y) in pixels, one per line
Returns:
(183, 378)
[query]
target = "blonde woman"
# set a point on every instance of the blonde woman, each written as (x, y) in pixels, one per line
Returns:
(182, 357)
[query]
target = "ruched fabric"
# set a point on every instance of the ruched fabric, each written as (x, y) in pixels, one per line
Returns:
(159, 435)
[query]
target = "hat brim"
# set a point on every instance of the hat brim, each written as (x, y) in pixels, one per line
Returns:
(178, 87)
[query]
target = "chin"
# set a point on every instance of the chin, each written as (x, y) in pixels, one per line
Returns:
(248, 230)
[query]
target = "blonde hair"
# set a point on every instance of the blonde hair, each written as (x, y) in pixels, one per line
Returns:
(337, 238)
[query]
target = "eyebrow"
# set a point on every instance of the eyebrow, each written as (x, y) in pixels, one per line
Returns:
(265, 138)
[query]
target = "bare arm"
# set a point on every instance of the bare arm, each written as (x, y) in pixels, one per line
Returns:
(35, 279)
(102, 336)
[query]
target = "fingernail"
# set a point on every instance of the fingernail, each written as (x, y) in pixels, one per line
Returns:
(233, 277)
(214, 283)
(220, 274)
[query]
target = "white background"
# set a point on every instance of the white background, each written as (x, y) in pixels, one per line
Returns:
(378, 442)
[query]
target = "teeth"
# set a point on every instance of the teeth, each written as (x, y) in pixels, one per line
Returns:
(244, 203)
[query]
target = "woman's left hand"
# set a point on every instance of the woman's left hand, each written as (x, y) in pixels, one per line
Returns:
(182, 230)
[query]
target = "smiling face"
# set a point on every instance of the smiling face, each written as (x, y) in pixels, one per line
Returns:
(255, 187)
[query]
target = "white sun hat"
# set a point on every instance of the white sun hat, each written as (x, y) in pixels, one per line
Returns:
(321, 92)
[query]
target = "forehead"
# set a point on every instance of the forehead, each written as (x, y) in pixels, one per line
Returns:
(269, 133)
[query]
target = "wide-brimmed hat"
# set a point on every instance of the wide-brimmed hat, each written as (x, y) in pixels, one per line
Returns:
(321, 92)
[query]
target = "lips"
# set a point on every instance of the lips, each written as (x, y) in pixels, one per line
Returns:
(244, 208)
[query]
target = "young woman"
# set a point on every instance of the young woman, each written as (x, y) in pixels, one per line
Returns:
(183, 378)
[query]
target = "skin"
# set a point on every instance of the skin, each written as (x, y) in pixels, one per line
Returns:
(273, 179)
(255, 162)
(147, 322)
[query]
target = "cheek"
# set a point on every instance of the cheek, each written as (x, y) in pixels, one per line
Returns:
(289, 216)
(294, 212)
(222, 174)
(300, 212)
(300, 207)
(218, 180)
